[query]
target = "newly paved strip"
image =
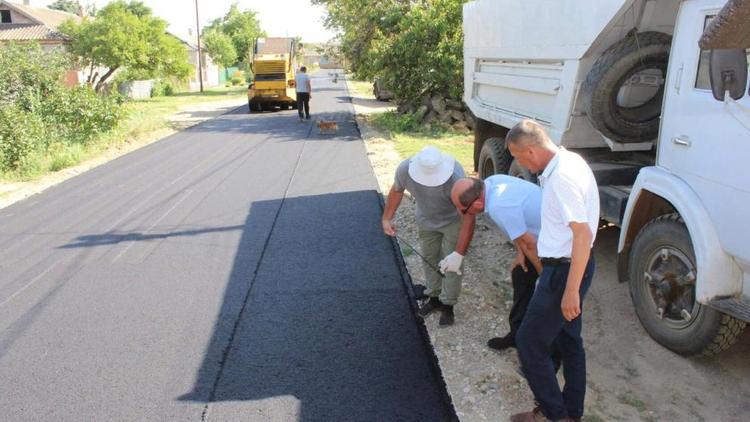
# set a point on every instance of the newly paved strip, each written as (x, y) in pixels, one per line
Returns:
(233, 271)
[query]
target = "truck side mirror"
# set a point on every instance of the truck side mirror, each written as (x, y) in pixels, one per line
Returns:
(728, 71)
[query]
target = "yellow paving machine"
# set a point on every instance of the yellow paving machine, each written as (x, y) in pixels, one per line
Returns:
(273, 66)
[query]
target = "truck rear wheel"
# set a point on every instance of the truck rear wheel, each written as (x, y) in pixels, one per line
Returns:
(255, 106)
(494, 158)
(662, 287)
(624, 89)
(517, 170)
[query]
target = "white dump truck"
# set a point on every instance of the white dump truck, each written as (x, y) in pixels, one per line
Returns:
(626, 84)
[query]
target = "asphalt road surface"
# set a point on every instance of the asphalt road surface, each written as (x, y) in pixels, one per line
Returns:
(234, 271)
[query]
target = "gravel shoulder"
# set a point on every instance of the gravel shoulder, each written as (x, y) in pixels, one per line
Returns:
(631, 377)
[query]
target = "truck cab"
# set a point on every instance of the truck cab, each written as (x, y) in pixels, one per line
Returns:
(627, 86)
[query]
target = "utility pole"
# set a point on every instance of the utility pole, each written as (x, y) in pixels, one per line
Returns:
(200, 55)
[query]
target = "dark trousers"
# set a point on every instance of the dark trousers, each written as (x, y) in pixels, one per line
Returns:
(524, 283)
(542, 330)
(303, 101)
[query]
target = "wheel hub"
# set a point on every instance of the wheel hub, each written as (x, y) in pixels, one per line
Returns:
(670, 277)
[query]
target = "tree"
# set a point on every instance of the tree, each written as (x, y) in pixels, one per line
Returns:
(74, 7)
(415, 46)
(425, 54)
(364, 24)
(69, 6)
(126, 35)
(219, 46)
(242, 27)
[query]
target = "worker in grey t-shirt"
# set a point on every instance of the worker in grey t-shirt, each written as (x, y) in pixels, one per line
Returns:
(429, 176)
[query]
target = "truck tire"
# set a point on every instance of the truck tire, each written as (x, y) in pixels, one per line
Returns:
(254, 106)
(642, 55)
(517, 170)
(494, 158)
(662, 287)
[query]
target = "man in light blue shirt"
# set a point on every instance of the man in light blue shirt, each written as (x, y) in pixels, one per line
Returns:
(514, 205)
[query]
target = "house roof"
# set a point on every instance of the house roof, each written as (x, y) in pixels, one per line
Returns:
(46, 21)
(28, 32)
(730, 28)
(190, 40)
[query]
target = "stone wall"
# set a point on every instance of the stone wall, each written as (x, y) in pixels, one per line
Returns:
(445, 110)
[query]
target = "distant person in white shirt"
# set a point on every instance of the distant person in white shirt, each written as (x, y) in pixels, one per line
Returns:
(570, 217)
(304, 93)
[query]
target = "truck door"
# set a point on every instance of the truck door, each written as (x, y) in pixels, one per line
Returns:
(703, 141)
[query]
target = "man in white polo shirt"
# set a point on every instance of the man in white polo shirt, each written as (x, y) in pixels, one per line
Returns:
(570, 217)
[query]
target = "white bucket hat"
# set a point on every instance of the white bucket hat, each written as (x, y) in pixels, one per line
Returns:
(431, 167)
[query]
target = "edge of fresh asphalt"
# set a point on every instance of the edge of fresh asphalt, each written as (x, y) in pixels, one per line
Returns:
(432, 359)
(407, 284)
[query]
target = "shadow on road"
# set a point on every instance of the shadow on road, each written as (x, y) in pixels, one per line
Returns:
(322, 319)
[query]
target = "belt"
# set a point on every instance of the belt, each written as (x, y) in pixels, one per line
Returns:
(555, 261)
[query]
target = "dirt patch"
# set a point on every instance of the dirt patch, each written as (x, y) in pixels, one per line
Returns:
(630, 377)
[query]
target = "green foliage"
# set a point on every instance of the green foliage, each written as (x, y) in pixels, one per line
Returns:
(21, 134)
(242, 28)
(416, 46)
(162, 88)
(65, 5)
(425, 55)
(28, 74)
(219, 47)
(126, 35)
(79, 114)
(74, 7)
(38, 112)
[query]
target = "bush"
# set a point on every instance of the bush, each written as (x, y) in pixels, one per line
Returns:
(162, 88)
(21, 135)
(237, 81)
(39, 116)
(28, 75)
(79, 114)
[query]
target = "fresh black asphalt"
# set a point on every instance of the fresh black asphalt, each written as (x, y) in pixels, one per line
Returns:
(233, 271)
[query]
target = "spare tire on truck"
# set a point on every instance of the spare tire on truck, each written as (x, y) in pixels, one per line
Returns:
(624, 89)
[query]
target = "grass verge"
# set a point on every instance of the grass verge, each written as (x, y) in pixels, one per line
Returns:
(360, 88)
(409, 137)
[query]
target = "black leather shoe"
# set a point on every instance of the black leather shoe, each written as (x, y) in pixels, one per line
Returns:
(501, 343)
(419, 292)
(446, 315)
(430, 306)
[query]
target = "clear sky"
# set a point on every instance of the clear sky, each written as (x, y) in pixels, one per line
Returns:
(278, 18)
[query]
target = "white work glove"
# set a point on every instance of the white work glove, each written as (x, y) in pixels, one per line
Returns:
(451, 263)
